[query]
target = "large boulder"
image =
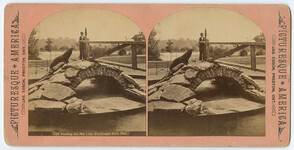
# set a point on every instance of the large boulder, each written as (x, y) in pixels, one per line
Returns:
(75, 106)
(191, 73)
(155, 96)
(166, 106)
(70, 100)
(46, 105)
(58, 92)
(59, 78)
(136, 95)
(177, 93)
(194, 108)
(129, 79)
(45, 84)
(255, 95)
(179, 79)
(71, 72)
(250, 80)
(36, 95)
(32, 90)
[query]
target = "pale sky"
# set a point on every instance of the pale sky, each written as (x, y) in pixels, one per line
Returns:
(222, 25)
(103, 25)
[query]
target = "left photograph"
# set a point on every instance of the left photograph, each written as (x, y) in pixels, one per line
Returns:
(87, 75)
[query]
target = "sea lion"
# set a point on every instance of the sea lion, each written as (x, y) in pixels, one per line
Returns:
(182, 59)
(63, 58)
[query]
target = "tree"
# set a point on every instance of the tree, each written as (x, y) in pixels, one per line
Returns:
(153, 50)
(140, 37)
(48, 47)
(259, 38)
(32, 45)
(243, 53)
(122, 52)
(169, 46)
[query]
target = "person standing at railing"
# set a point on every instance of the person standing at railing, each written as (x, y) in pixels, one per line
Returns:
(202, 48)
(82, 46)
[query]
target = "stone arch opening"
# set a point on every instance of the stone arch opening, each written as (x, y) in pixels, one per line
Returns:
(197, 74)
(98, 87)
(218, 88)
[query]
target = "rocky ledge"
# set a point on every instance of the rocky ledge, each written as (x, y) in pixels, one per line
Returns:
(55, 92)
(176, 91)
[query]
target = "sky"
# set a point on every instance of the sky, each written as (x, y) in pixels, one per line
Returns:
(222, 25)
(103, 25)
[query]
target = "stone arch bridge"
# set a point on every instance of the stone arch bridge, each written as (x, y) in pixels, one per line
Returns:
(56, 91)
(176, 91)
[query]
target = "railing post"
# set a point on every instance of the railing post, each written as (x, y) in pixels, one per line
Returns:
(253, 57)
(134, 56)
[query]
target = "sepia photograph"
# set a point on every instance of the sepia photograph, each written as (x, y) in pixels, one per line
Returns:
(87, 75)
(206, 75)
(139, 75)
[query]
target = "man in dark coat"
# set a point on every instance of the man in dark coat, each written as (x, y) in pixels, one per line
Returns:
(202, 48)
(82, 46)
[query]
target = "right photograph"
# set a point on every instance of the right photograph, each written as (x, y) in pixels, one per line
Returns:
(206, 75)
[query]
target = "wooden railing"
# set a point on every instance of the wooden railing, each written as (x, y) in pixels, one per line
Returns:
(120, 45)
(240, 46)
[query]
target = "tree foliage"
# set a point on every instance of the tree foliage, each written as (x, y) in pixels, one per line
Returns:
(260, 50)
(169, 46)
(32, 45)
(179, 44)
(259, 38)
(139, 37)
(48, 46)
(122, 52)
(153, 50)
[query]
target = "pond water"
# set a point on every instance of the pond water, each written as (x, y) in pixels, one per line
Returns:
(130, 122)
(240, 124)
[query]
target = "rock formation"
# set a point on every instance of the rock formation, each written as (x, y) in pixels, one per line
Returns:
(56, 91)
(176, 91)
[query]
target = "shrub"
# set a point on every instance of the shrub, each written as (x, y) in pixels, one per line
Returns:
(243, 53)
(122, 52)
(260, 52)
(97, 52)
(218, 52)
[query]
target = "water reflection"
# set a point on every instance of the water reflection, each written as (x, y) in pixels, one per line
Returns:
(240, 124)
(247, 124)
(131, 121)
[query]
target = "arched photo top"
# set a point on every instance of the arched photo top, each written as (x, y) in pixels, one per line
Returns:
(101, 25)
(104, 29)
(181, 31)
(222, 25)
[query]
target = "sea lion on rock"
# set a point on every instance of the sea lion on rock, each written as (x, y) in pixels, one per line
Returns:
(182, 59)
(177, 64)
(63, 58)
